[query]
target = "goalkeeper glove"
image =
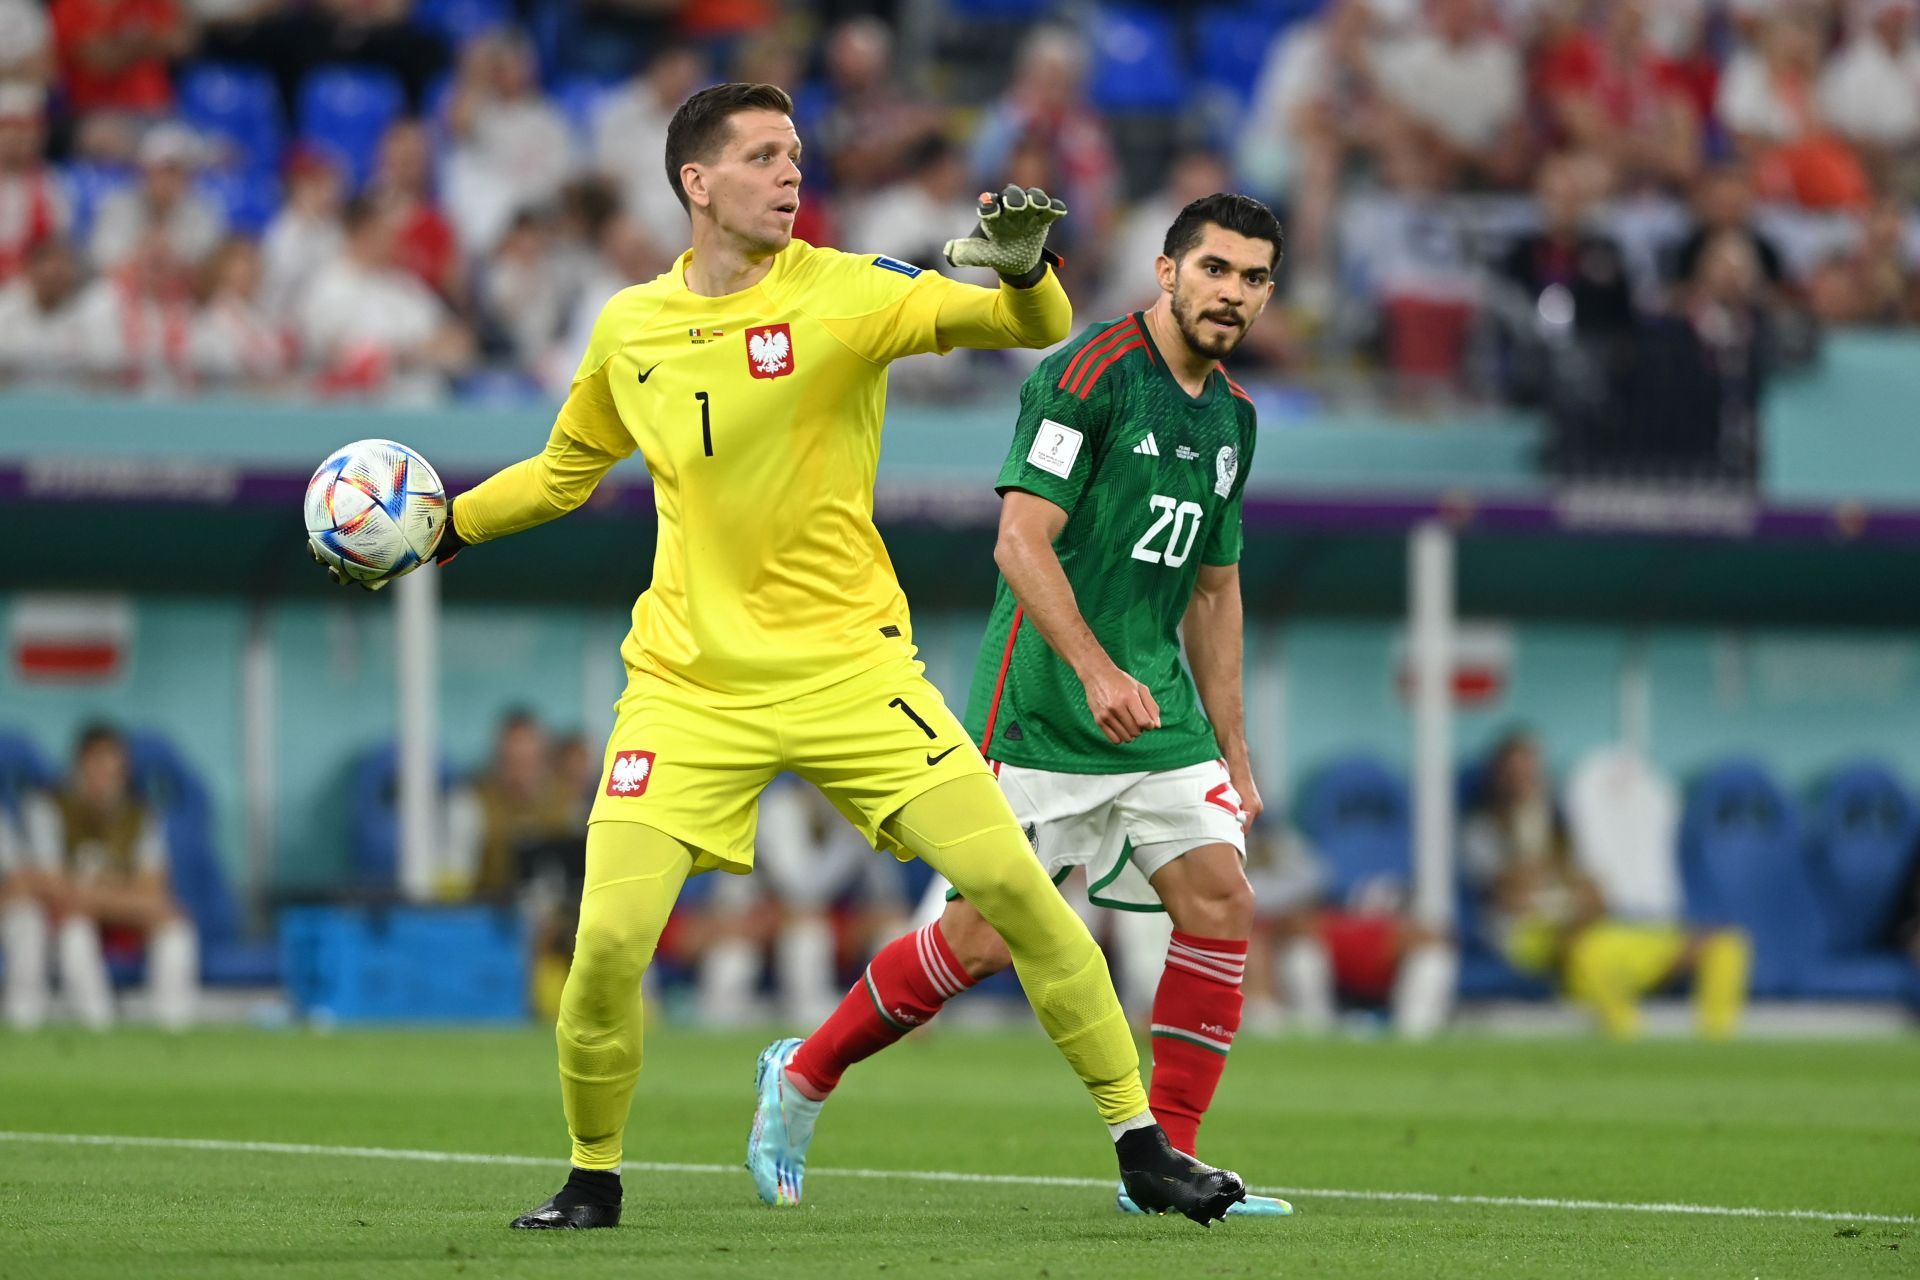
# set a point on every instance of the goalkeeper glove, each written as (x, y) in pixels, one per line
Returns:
(1011, 236)
(449, 546)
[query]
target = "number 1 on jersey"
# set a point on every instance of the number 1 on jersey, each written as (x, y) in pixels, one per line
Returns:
(706, 422)
(914, 716)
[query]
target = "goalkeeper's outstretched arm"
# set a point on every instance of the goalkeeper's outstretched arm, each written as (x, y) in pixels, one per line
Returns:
(587, 439)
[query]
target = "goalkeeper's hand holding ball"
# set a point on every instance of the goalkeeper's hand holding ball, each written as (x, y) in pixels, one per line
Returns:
(1011, 237)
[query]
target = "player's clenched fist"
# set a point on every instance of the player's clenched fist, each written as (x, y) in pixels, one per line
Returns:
(1122, 706)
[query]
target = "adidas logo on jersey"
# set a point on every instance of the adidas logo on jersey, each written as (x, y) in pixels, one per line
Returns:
(1148, 446)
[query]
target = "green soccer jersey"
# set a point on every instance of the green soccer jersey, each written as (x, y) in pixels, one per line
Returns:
(1151, 479)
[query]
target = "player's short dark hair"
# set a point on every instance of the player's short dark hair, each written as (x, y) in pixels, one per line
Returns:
(702, 125)
(96, 734)
(1241, 214)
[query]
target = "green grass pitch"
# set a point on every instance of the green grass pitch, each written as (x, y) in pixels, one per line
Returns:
(1763, 1126)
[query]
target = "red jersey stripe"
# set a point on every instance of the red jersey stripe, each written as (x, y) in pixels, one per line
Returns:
(1087, 354)
(1000, 685)
(1085, 386)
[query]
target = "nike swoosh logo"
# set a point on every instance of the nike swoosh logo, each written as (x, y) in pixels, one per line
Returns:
(933, 760)
(649, 373)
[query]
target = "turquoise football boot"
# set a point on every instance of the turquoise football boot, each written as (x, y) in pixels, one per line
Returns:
(782, 1128)
(1252, 1207)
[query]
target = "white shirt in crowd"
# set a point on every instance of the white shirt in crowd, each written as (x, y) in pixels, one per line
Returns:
(24, 32)
(353, 312)
(1872, 94)
(133, 339)
(1747, 102)
(519, 155)
(32, 205)
(37, 348)
(629, 137)
(1468, 94)
(193, 228)
(230, 343)
(295, 250)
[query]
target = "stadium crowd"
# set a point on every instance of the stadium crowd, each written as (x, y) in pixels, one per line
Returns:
(414, 200)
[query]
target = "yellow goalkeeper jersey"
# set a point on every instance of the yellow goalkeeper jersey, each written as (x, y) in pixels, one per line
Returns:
(758, 415)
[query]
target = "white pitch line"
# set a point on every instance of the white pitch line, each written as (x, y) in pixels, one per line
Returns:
(935, 1175)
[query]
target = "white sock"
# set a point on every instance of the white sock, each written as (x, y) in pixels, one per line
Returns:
(23, 942)
(83, 974)
(1144, 1120)
(1423, 993)
(173, 973)
(728, 973)
(1306, 973)
(804, 956)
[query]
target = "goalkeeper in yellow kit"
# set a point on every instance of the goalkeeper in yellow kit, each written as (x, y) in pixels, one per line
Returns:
(751, 377)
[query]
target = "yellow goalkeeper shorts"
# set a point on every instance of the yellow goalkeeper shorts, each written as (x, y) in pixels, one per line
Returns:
(870, 743)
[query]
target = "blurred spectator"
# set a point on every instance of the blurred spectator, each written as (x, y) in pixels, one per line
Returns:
(1131, 281)
(403, 180)
(26, 44)
(1723, 201)
(1405, 258)
(91, 867)
(523, 293)
(1317, 108)
(1289, 884)
(630, 142)
(235, 342)
(137, 318)
(1768, 102)
(859, 119)
(505, 819)
(374, 329)
(1045, 108)
(306, 234)
(1870, 91)
(1570, 319)
(40, 337)
(914, 218)
(622, 255)
(1689, 406)
(1873, 283)
(33, 206)
(163, 201)
(114, 54)
(1547, 917)
(511, 147)
(1454, 90)
(1610, 92)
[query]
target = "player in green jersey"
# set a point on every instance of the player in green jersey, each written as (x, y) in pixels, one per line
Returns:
(1119, 533)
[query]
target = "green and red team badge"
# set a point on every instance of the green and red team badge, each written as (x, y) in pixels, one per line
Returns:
(631, 772)
(770, 351)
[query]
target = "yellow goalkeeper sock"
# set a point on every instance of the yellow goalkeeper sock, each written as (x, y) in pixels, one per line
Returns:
(634, 874)
(965, 831)
(1720, 973)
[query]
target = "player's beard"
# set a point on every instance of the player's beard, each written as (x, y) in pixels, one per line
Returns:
(1201, 338)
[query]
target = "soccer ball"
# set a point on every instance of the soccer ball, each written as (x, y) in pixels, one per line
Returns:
(375, 510)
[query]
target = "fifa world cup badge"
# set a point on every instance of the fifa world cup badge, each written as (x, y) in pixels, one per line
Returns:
(631, 772)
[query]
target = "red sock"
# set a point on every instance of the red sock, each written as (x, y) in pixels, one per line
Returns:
(904, 987)
(1195, 1013)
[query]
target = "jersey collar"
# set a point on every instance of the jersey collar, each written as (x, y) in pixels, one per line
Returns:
(1207, 392)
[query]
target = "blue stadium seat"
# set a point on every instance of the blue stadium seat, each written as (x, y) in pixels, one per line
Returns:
(999, 10)
(1741, 864)
(1137, 65)
(238, 104)
(1231, 48)
(1357, 815)
(172, 786)
(461, 20)
(88, 184)
(373, 817)
(346, 108)
(250, 197)
(1864, 827)
(579, 99)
